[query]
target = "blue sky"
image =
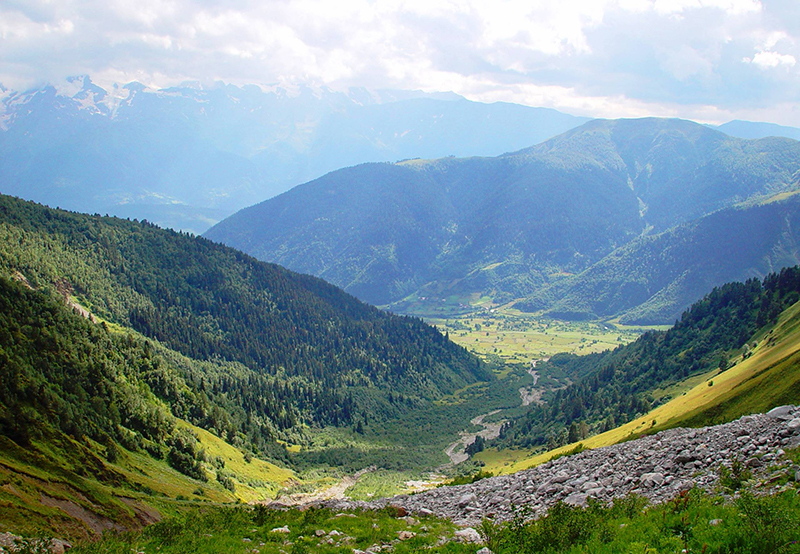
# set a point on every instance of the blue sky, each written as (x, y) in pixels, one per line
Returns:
(708, 60)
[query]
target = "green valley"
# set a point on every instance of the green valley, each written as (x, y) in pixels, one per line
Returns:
(154, 366)
(149, 374)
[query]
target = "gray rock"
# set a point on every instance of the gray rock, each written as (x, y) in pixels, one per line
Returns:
(684, 457)
(468, 535)
(466, 499)
(576, 499)
(560, 477)
(783, 413)
(596, 492)
(651, 480)
(658, 467)
(58, 546)
(589, 485)
(754, 463)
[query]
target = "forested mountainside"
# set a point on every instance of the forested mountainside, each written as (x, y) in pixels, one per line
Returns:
(506, 227)
(61, 372)
(650, 279)
(187, 156)
(269, 348)
(614, 386)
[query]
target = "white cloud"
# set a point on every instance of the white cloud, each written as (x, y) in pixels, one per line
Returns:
(767, 59)
(734, 7)
(633, 56)
(685, 63)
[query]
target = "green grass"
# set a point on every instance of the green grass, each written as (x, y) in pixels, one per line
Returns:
(247, 529)
(85, 488)
(514, 336)
(692, 523)
(383, 483)
(772, 377)
(256, 479)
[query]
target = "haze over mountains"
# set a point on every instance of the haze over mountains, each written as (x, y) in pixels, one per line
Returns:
(148, 362)
(510, 227)
(185, 157)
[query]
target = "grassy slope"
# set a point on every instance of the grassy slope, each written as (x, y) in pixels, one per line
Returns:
(92, 494)
(770, 377)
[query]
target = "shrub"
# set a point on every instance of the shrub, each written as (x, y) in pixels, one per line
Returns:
(732, 479)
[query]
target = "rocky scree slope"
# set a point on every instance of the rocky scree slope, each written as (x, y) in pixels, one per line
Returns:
(657, 467)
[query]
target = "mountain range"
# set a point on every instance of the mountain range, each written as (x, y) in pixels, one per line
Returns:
(143, 367)
(530, 224)
(187, 156)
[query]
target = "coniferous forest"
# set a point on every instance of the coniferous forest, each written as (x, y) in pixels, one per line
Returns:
(246, 349)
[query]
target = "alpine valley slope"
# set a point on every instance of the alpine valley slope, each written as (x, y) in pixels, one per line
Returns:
(270, 350)
(137, 363)
(654, 277)
(504, 228)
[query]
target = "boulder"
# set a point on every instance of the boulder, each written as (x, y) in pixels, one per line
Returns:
(652, 480)
(576, 499)
(783, 413)
(468, 535)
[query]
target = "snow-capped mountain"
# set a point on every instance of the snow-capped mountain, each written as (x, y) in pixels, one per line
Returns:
(187, 156)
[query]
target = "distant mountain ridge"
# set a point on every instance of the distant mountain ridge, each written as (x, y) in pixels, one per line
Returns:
(651, 279)
(507, 227)
(758, 129)
(187, 156)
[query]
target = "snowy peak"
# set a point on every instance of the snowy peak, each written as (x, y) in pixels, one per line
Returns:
(188, 155)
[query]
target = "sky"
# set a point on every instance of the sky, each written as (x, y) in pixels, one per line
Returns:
(706, 60)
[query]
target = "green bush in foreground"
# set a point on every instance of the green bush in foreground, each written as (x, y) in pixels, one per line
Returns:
(244, 529)
(692, 522)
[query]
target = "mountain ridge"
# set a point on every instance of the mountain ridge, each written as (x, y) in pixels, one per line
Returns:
(643, 283)
(186, 156)
(217, 305)
(506, 227)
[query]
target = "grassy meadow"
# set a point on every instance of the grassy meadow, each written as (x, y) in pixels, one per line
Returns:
(711, 523)
(514, 336)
